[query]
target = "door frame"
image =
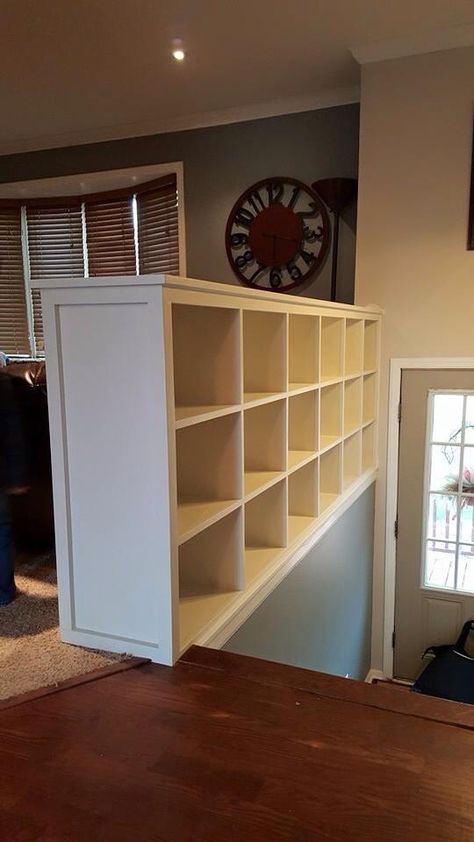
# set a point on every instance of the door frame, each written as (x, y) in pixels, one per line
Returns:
(397, 366)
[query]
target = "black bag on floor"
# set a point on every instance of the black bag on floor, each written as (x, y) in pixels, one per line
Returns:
(450, 675)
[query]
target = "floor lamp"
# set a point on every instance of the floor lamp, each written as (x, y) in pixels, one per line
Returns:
(337, 193)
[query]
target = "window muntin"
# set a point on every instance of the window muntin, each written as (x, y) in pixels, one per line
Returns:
(448, 534)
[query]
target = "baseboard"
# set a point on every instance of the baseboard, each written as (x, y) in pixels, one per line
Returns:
(372, 674)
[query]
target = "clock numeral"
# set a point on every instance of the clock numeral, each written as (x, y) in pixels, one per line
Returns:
(243, 259)
(294, 272)
(253, 278)
(311, 236)
(244, 217)
(294, 197)
(308, 256)
(309, 214)
(237, 240)
(275, 192)
(256, 201)
(275, 278)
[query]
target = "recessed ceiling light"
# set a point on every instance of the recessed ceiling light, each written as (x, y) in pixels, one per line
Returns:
(179, 55)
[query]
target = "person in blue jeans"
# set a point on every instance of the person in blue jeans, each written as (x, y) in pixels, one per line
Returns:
(13, 479)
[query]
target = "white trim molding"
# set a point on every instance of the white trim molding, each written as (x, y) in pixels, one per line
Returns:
(202, 120)
(397, 366)
(431, 41)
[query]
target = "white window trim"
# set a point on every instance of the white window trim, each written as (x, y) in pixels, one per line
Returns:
(397, 366)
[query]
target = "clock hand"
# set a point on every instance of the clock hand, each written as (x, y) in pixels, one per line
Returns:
(280, 237)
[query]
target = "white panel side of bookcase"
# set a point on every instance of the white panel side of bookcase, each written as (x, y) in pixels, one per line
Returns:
(109, 436)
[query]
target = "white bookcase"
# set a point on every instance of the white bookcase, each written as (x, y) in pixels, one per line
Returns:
(202, 437)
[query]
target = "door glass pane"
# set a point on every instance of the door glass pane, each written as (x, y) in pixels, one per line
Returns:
(469, 433)
(447, 417)
(440, 564)
(468, 473)
(442, 518)
(466, 568)
(466, 516)
(445, 468)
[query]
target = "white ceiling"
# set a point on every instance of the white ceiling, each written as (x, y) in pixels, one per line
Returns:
(74, 71)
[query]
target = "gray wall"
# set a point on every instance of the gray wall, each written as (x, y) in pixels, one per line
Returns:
(219, 163)
(319, 617)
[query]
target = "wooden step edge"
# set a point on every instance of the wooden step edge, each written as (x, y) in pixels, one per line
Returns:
(331, 686)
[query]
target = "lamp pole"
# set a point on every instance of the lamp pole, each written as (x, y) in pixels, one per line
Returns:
(337, 193)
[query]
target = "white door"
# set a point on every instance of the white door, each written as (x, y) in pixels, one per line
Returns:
(435, 521)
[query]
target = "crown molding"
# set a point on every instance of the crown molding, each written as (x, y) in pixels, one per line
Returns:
(431, 41)
(240, 114)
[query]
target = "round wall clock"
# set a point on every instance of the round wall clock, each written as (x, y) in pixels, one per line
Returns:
(277, 234)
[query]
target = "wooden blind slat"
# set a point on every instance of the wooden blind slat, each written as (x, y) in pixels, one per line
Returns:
(13, 314)
(158, 243)
(110, 237)
(55, 248)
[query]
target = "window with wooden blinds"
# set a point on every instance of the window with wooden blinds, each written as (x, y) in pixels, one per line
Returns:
(158, 242)
(122, 232)
(110, 237)
(13, 315)
(55, 247)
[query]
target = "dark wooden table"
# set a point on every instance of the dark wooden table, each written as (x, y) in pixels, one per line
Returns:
(229, 748)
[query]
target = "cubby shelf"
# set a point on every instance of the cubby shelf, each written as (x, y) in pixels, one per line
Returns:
(259, 398)
(352, 460)
(370, 345)
(303, 500)
(330, 478)
(250, 421)
(188, 415)
(197, 612)
(266, 529)
(275, 420)
(297, 458)
(208, 473)
(196, 515)
(257, 481)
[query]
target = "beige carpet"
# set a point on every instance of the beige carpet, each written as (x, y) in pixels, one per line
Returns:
(31, 653)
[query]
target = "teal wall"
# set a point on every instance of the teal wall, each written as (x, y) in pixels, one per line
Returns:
(319, 617)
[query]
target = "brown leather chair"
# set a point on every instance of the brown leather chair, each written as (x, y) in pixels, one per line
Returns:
(32, 513)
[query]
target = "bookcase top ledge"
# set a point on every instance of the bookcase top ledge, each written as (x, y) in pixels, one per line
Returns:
(245, 294)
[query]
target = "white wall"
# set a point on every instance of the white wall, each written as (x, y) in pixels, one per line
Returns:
(415, 157)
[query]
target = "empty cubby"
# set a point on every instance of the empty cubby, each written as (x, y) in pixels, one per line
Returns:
(332, 333)
(266, 528)
(370, 345)
(206, 356)
(330, 415)
(303, 350)
(369, 397)
(264, 444)
(209, 471)
(211, 573)
(212, 561)
(329, 477)
(352, 459)
(352, 405)
(302, 427)
(354, 347)
(265, 353)
(302, 499)
(368, 448)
